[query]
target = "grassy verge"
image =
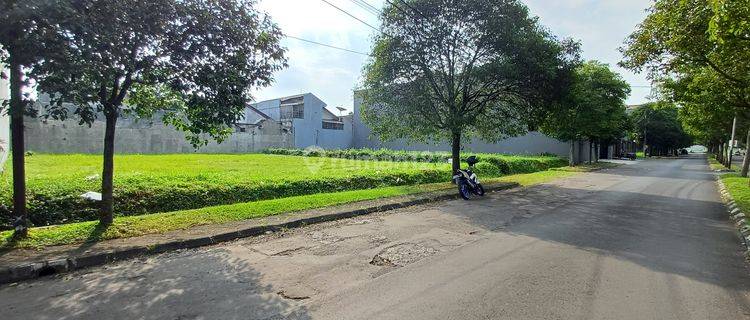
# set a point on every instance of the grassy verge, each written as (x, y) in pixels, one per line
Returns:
(715, 165)
(132, 226)
(739, 188)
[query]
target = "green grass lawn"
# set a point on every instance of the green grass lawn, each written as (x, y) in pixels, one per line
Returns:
(77, 172)
(132, 226)
(162, 183)
(715, 165)
(147, 184)
(739, 188)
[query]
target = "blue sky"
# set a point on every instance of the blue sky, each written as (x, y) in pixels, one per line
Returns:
(601, 26)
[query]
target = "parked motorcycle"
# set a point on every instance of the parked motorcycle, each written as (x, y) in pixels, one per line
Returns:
(467, 181)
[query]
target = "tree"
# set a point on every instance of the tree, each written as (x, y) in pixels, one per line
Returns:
(682, 35)
(27, 37)
(594, 108)
(664, 130)
(452, 70)
(194, 60)
(708, 108)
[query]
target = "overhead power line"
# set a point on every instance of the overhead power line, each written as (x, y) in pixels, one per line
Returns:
(327, 45)
(412, 8)
(397, 7)
(367, 7)
(351, 15)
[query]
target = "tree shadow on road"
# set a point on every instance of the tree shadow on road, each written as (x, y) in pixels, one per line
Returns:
(669, 234)
(206, 284)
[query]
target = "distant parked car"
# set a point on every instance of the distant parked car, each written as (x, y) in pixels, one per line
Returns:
(630, 155)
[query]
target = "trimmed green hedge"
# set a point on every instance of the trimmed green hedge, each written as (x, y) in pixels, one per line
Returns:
(505, 163)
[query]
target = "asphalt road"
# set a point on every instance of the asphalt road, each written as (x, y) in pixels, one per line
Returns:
(648, 240)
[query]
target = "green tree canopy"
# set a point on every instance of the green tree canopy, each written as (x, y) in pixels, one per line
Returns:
(196, 60)
(594, 108)
(707, 109)
(447, 70)
(682, 37)
(658, 126)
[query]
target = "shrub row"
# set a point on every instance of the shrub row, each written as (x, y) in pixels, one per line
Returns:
(45, 209)
(501, 164)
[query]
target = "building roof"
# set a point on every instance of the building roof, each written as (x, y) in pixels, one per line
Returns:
(284, 98)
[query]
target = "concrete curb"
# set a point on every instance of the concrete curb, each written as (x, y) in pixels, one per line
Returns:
(72, 263)
(735, 214)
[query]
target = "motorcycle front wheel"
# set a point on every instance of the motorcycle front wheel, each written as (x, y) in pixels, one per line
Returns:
(463, 190)
(479, 190)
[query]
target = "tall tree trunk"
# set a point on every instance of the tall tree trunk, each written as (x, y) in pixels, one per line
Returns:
(456, 150)
(590, 146)
(597, 151)
(107, 208)
(746, 159)
(18, 149)
(572, 160)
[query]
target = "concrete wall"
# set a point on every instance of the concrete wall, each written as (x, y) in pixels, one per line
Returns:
(4, 122)
(145, 136)
(531, 143)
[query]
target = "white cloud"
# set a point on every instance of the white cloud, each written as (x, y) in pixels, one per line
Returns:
(332, 74)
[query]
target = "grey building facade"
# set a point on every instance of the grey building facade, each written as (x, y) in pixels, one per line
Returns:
(308, 119)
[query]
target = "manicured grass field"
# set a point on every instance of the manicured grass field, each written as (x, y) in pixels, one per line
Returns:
(162, 183)
(162, 222)
(146, 184)
(78, 172)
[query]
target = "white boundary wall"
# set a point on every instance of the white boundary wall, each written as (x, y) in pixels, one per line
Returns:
(4, 122)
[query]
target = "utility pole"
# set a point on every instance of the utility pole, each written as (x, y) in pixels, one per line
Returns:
(645, 127)
(731, 143)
